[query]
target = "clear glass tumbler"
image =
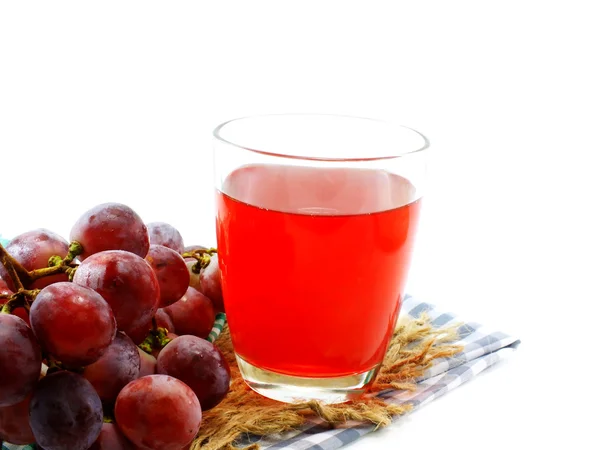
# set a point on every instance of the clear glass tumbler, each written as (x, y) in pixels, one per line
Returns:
(316, 220)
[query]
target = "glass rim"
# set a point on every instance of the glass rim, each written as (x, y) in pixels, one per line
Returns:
(217, 135)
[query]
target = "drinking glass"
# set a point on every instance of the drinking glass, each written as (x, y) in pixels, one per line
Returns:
(316, 221)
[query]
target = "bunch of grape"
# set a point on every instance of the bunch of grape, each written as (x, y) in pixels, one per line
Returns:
(75, 318)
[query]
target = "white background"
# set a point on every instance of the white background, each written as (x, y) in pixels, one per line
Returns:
(116, 101)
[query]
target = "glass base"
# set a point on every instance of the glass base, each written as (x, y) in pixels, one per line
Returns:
(291, 389)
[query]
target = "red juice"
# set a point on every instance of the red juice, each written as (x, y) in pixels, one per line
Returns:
(314, 264)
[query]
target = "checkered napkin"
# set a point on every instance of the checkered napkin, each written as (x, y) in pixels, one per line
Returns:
(482, 349)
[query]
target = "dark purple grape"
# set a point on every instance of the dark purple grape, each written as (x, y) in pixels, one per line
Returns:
(162, 233)
(193, 314)
(20, 360)
(65, 412)
(127, 283)
(73, 323)
(200, 365)
(33, 250)
(147, 363)
(171, 271)
(158, 412)
(111, 438)
(111, 226)
(14, 423)
(119, 365)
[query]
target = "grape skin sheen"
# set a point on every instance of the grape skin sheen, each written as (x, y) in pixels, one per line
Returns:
(73, 323)
(158, 412)
(20, 360)
(126, 282)
(65, 412)
(111, 226)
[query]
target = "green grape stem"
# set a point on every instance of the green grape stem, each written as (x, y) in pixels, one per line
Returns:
(197, 253)
(71, 272)
(57, 265)
(46, 272)
(147, 344)
(160, 336)
(202, 257)
(156, 339)
(11, 305)
(75, 249)
(22, 298)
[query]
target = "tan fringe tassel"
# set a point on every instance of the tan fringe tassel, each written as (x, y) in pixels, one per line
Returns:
(413, 347)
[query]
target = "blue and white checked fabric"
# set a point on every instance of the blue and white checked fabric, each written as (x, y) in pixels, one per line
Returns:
(482, 349)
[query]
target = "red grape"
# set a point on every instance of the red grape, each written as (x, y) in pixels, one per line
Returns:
(127, 283)
(111, 226)
(171, 271)
(14, 423)
(119, 365)
(33, 250)
(138, 334)
(73, 323)
(21, 312)
(111, 438)
(147, 363)
(158, 412)
(65, 412)
(209, 283)
(193, 314)
(20, 360)
(200, 365)
(162, 321)
(161, 233)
